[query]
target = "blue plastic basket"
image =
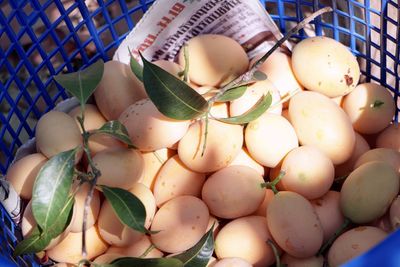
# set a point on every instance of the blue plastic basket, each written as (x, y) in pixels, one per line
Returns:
(39, 38)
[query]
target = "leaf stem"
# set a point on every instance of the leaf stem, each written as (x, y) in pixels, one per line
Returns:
(276, 252)
(338, 232)
(203, 150)
(147, 251)
(185, 71)
(273, 184)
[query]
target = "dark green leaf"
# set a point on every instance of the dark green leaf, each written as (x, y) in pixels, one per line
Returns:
(259, 76)
(139, 262)
(232, 94)
(115, 129)
(136, 68)
(52, 187)
(82, 83)
(129, 209)
(256, 111)
(37, 240)
(200, 254)
(172, 97)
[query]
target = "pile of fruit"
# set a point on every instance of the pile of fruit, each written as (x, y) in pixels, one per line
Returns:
(298, 165)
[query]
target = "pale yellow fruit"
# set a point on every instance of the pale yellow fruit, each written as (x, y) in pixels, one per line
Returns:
(93, 211)
(338, 100)
(319, 122)
(244, 159)
(175, 179)
(233, 192)
(144, 194)
(329, 213)
(224, 142)
(308, 172)
(380, 154)
(361, 146)
(232, 262)
(246, 238)
(335, 67)
(150, 130)
(262, 209)
(395, 213)
(136, 249)
(22, 174)
(169, 66)
(291, 261)
(93, 121)
(353, 243)
(269, 138)
(107, 258)
(390, 137)
(69, 250)
(119, 167)
(370, 108)
(153, 161)
(57, 132)
(299, 238)
(182, 222)
(214, 59)
(252, 95)
(118, 89)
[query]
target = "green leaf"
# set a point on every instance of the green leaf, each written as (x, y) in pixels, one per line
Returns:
(256, 111)
(172, 97)
(115, 129)
(52, 187)
(139, 262)
(37, 240)
(136, 68)
(129, 209)
(259, 76)
(200, 254)
(82, 84)
(232, 94)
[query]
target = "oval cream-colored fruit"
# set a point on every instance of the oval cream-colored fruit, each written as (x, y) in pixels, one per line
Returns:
(262, 209)
(57, 132)
(308, 172)
(69, 250)
(269, 138)
(329, 213)
(144, 194)
(175, 179)
(169, 66)
(252, 95)
(119, 167)
(22, 174)
(136, 249)
(291, 261)
(244, 159)
(299, 238)
(319, 122)
(390, 137)
(357, 200)
(232, 262)
(246, 238)
(335, 67)
(150, 130)
(380, 154)
(224, 142)
(395, 213)
(353, 243)
(233, 192)
(118, 89)
(214, 59)
(107, 258)
(181, 223)
(361, 146)
(370, 108)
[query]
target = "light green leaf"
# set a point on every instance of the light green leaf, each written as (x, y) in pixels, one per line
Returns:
(172, 97)
(115, 129)
(82, 84)
(136, 68)
(200, 254)
(129, 209)
(256, 111)
(52, 187)
(232, 94)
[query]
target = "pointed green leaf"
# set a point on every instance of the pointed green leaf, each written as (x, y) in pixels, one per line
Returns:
(256, 111)
(82, 84)
(136, 68)
(259, 76)
(115, 129)
(139, 262)
(52, 187)
(129, 209)
(232, 94)
(38, 241)
(172, 97)
(200, 254)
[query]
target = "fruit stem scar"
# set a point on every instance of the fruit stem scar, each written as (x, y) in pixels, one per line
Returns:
(377, 104)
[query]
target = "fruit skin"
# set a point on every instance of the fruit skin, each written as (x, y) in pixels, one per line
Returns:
(353, 243)
(358, 201)
(390, 137)
(335, 67)
(395, 213)
(232, 262)
(299, 238)
(387, 155)
(313, 261)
